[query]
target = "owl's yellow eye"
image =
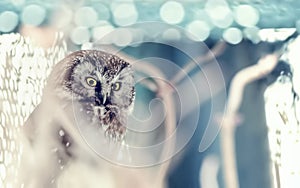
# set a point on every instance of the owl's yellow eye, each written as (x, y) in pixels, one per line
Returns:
(116, 86)
(91, 81)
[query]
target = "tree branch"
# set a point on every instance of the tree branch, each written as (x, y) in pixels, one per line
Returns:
(264, 66)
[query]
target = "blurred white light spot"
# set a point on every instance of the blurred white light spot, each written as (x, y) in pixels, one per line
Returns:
(17, 2)
(272, 35)
(219, 12)
(125, 14)
(172, 12)
(102, 30)
(198, 30)
(171, 35)
(104, 13)
(80, 35)
(122, 37)
(233, 35)
(86, 16)
(33, 15)
(8, 21)
(246, 15)
(251, 33)
(62, 16)
(202, 15)
(87, 46)
(224, 23)
(137, 36)
(61, 132)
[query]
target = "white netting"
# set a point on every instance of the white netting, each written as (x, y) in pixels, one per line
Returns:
(282, 115)
(23, 72)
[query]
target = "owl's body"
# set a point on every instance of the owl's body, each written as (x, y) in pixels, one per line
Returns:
(88, 88)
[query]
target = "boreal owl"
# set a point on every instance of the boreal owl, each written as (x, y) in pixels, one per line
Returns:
(88, 87)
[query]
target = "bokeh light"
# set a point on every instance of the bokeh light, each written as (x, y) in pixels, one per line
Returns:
(101, 30)
(33, 15)
(201, 14)
(251, 33)
(199, 30)
(138, 36)
(103, 12)
(122, 37)
(233, 35)
(124, 14)
(62, 17)
(86, 16)
(80, 35)
(219, 12)
(172, 12)
(171, 35)
(246, 15)
(8, 21)
(18, 2)
(214, 15)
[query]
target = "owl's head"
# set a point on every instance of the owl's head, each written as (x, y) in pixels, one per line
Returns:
(95, 76)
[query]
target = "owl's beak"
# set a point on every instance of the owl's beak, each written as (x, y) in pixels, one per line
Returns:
(104, 99)
(101, 99)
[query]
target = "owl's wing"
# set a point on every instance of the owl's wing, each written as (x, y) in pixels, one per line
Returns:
(43, 120)
(30, 126)
(46, 148)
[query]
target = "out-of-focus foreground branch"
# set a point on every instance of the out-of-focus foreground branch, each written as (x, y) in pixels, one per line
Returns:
(264, 66)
